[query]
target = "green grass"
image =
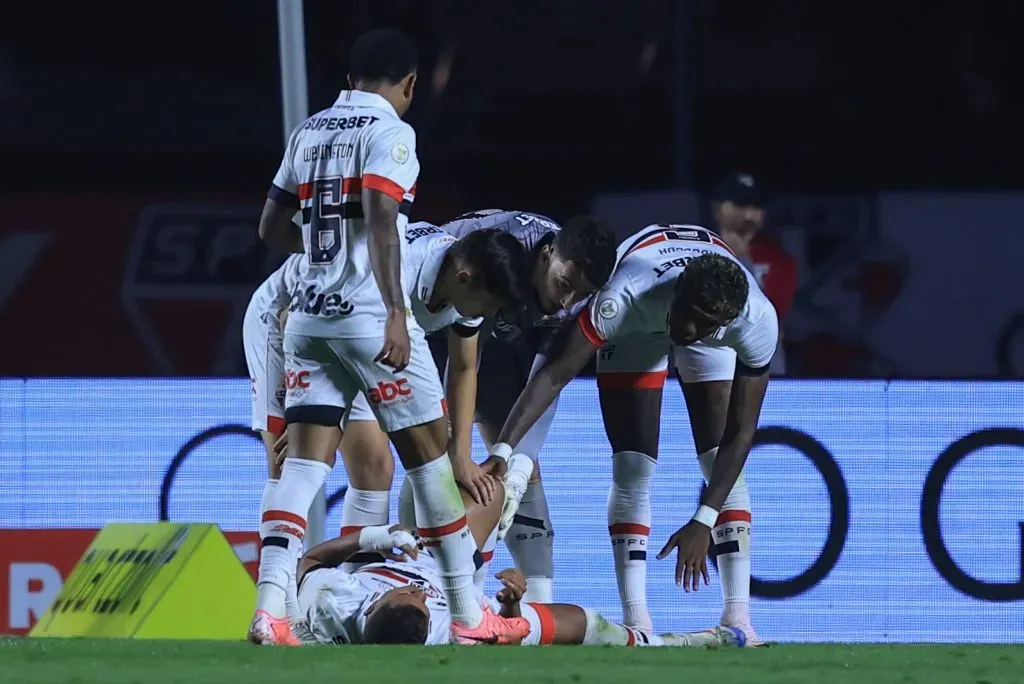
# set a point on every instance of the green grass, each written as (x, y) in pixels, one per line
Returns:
(82, 661)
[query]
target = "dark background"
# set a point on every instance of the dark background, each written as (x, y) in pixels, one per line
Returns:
(527, 104)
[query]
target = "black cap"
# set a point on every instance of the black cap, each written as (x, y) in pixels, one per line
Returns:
(741, 189)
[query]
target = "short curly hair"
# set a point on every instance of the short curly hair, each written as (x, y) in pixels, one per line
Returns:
(590, 245)
(713, 285)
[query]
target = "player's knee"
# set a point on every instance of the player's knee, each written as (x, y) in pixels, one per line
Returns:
(396, 624)
(632, 470)
(369, 462)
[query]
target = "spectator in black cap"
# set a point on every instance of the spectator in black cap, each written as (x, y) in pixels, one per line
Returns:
(738, 209)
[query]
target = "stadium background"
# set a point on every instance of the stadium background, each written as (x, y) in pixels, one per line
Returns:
(144, 139)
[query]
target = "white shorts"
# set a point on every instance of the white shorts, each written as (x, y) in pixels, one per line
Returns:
(264, 356)
(641, 362)
(325, 376)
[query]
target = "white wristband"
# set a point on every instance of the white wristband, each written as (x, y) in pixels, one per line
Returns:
(502, 450)
(706, 515)
(375, 538)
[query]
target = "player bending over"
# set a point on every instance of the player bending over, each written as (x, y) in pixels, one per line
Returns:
(351, 171)
(400, 601)
(672, 285)
(568, 263)
(565, 266)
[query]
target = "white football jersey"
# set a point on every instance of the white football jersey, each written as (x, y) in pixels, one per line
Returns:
(426, 246)
(275, 293)
(335, 603)
(358, 143)
(638, 296)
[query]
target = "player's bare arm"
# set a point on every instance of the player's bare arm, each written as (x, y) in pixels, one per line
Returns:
(381, 215)
(574, 352)
(277, 228)
(691, 540)
(461, 396)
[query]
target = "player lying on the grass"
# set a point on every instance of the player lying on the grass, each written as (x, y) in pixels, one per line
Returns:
(400, 601)
(673, 285)
(448, 282)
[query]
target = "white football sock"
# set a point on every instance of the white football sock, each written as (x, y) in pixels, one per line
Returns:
(629, 525)
(530, 540)
(731, 536)
(441, 519)
(362, 508)
(601, 632)
(283, 528)
(268, 491)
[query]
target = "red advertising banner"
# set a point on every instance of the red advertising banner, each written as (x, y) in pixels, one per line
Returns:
(35, 563)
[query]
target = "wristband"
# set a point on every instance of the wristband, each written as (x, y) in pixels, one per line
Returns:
(706, 515)
(375, 538)
(502, 451)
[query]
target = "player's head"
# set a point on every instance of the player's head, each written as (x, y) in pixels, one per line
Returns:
(575, 264)
(738, 205)
(710, 293)
(384, 61)
(485, 271)
(399, 616)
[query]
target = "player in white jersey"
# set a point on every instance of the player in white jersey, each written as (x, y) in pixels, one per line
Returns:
(400, 601)
(351, 170)
(451, 284)
(672, 285)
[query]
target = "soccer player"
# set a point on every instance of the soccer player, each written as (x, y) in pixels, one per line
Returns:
(399, 601)
(351, 170)
(673, 285)
(450, 283)
(568, 264)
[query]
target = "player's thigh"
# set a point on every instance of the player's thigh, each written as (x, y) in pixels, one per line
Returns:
(705, 374)
(408, 405)
(501, 376)
(630, 378)
(264, 358)
(319, 390)
(366, 450)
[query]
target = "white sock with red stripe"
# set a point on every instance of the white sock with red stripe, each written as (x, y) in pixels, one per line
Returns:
(441, 519)
(600, 632)
(283, 528)
(731, 536)
(362, 508)
(629, 525)
(268, 491)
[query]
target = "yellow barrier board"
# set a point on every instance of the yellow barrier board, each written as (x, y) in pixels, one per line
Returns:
(154, 581)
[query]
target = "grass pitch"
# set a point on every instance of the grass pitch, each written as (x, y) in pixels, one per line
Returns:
(88, 661)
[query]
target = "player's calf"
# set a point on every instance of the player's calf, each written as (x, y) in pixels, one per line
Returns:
(370, 468)
(530, 540)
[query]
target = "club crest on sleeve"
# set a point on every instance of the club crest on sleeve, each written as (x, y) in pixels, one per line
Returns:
(608, 308)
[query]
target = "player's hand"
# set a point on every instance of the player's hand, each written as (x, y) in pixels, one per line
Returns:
(513, 586)
(397, 348)
(495, 466)
(395, 543)
(281, 449)
(477, 482)
(691, 540)
(403, 539)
